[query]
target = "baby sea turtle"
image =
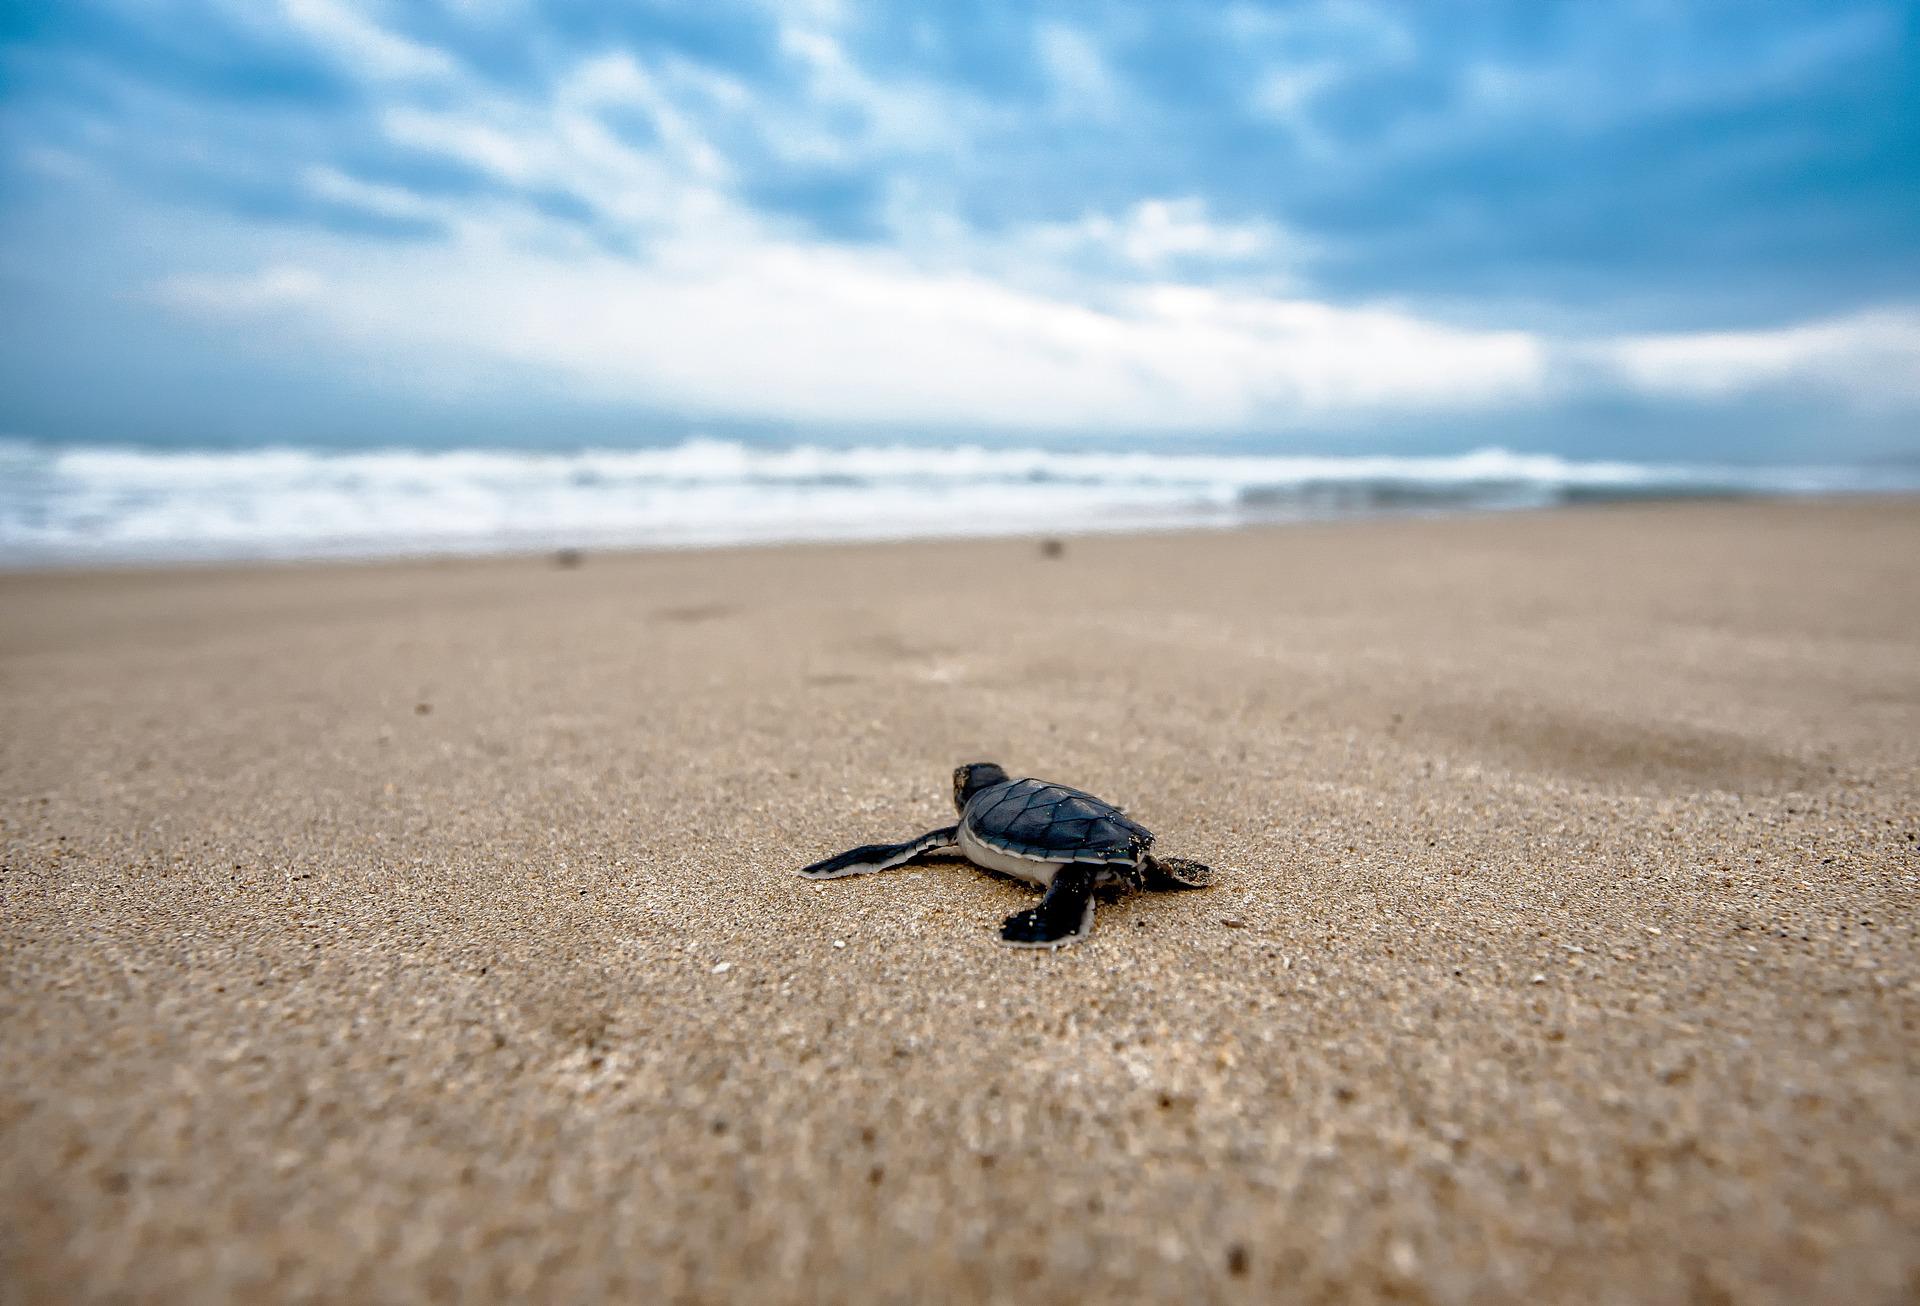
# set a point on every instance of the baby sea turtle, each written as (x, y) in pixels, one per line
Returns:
(1064, 840)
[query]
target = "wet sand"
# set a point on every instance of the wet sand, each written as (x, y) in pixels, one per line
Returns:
(423, 930)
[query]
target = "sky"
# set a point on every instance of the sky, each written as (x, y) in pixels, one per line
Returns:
(1668, 230)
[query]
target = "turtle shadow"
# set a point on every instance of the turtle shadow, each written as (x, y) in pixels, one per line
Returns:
(956, 862)
(1107, 895)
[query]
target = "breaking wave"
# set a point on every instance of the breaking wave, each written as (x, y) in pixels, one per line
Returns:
(61, 504)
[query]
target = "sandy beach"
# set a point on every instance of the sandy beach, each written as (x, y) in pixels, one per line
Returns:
(429, 930)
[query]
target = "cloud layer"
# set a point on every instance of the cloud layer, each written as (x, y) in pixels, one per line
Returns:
(1318, 222)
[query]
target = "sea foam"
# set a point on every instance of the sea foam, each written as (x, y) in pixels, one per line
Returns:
(93, 503)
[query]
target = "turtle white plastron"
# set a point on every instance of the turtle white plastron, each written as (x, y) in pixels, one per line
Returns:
(1063, 840)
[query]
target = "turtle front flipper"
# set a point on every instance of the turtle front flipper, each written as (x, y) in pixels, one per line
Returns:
(868, 858)
(1065, 914)
(1176, 873)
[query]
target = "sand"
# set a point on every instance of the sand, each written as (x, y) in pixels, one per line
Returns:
(428, 930)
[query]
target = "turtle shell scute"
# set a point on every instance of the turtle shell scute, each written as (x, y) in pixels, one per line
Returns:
(1036, 819)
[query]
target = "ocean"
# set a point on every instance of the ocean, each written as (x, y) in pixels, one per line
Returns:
(71, 505)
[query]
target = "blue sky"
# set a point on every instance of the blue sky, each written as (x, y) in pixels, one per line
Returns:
(1681, 230)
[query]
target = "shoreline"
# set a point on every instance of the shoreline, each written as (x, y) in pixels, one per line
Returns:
(86, 505)
(587, 549)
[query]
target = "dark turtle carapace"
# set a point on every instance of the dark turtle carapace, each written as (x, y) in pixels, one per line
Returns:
(1064, 840)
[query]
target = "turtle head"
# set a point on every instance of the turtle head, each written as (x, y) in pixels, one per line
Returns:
(970, 779)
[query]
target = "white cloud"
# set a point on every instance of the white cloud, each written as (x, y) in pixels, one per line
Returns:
(894, 116)
(1154, 232)
(460, 137)
(764, 328)
(729, 315)
(385, 201)
(767, 329)
(618, 80)
(1083, 84)
(1112, 322)
(567, 148)
(272, 288)
(1872, 356)
(1285, 91)
(362, 44)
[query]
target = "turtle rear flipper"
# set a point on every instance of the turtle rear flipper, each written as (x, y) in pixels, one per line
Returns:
(1065, 914)
(1177, 873)
(868, 858)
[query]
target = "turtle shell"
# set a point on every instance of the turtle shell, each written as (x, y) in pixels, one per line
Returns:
(1032, 818)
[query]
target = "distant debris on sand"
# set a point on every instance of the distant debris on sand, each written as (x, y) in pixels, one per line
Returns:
(1052, 548)
(568, 559)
